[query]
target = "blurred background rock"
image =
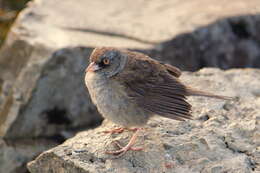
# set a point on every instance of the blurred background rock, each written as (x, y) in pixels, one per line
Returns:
(43, 100)
(9, 9)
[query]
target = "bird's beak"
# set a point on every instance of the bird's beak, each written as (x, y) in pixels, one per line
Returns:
(92, 67)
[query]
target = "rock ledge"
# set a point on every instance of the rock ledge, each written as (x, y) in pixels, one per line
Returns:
(223, 137)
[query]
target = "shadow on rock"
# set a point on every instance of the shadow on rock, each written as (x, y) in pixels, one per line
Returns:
(232, 42)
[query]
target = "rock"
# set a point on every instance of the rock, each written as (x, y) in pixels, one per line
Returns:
(203, 44)
(188, 37)
(15, 154)
(42, 60)
(43, 107)
(227, 141)
(50, 98)
(226, 43)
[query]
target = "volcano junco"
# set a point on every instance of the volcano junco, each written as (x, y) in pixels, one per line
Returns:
(130, 87)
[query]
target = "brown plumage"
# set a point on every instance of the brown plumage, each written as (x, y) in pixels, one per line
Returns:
(130, 87)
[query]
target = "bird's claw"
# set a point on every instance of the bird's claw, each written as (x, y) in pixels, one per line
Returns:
(122, 150)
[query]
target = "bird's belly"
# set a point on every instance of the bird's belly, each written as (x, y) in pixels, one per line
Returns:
(113, 103)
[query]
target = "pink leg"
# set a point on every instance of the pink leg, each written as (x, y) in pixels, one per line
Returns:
(119, 130)
(128, 147)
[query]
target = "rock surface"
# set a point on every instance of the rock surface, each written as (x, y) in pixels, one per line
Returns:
(46, 104)
(41, 94)
(14, 154)
(51, 97)
(223, 137)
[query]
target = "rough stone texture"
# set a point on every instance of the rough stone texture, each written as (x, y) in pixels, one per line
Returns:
(42, 104)
(14, 154)
(34, 66)
(52, 97)
(223, 137)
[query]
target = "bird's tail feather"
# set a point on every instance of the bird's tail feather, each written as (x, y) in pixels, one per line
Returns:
(194, 92)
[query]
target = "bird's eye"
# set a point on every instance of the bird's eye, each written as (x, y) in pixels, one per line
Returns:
(106, 61)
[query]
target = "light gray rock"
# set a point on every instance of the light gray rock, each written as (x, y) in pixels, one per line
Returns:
(223, 137)
(43, 106)
(35, 85)
(14, 154)
(40, 31)
(119, 26)
(51, 97)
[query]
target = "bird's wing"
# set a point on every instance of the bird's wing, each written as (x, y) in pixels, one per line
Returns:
(154, 88)
(172, 70)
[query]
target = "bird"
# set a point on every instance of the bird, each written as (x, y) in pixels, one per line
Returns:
(128, 88)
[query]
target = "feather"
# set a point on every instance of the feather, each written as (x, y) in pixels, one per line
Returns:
(194, 92)
(165, 98)
(172, 70)
(155, 87)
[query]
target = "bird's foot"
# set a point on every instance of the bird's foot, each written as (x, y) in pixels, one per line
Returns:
(128, 147)
(122, 149)
(119, 130)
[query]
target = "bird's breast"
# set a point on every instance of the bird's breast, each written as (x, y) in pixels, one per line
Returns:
(112, 101)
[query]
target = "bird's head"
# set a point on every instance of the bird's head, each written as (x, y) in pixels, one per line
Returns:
(106, 61)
